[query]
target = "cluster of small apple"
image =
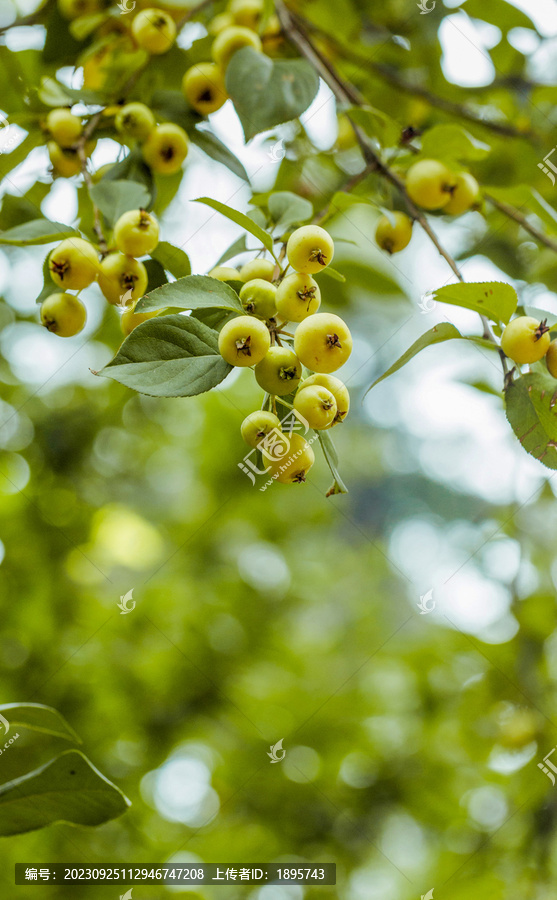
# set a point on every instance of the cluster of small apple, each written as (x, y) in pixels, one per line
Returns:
(122, 278)
(322, 343)
(431, 185)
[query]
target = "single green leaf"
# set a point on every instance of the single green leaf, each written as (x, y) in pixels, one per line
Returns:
(532, 412)
(155, 274)
(452, 142)
(66, 789)
(213, 318)
(494, 299)
(116, 197)
(37, 717)
(192, 292)
(244, 221)
(38, 231)
(376, 124)
(49, 287)
(209, 144)
(444, 331)
(332, 273)
(131, 168)
(330, 454)
(169, 356)
(288, 209)
(239, 246)
(173, 259)
(266, 92)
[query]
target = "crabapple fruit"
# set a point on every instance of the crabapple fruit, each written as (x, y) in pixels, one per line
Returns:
(122, 279)
(257, 425)
(154, 30)
(63, 314)
(74, 264)
(166, 148)
(337, 388)
(230, 40)
(258, 268)
(203, 87)
(296, 462)
(225, 273)
(551, 359)
(316, 405)
(131, 319)
(279, 372)
(136, 232)
(430, 183)
(323, 342)
(246, 12)
(310, 249)
(298, 296)
(71, 9)
(394, 237)
(64, 127)
(465, 195)
(258, 298)
(244, 341)
(525, 340)
(135, 120)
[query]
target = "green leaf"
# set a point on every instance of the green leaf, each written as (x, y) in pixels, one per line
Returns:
(155, 274)
(532, 412)
(332, 273)
(116, 197)
(214, 148)
(494, 299)
(239, 246)
(244, 221)
(169, 356)
(49, 287)
(131, 168)
(436, 335)
(192, 292)
(172, 106)
(173, 259)
(37, 717)
(376, 124)
(66, 789)
(330, 454)
(452, 142)
(288, 209)
(38, 231)
(266, 92)
(213, 318)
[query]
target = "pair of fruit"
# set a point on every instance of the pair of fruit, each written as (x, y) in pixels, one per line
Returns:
(526, 340)
(431, 185)
(164, 147)
(288, 458)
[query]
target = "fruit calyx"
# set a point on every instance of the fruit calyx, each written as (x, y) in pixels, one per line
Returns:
(243, 345)
(542, 329)
(319, 256)
(333, 340)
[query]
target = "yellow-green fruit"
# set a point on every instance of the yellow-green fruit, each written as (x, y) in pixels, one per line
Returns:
(551, 359)
(166, 148)
(71, 9)
(272, 37)
(154, 30)
(394, 237)
(244, 341)
(465, 195)
(122, 279)
(310, 249)
(64, 162)
(323, 342)
(246, 12)
(136, 232)
(131, 320)
(430, 183)
(225, 273)
(74, 264)
(518, 729)
(298, 296)
(135, 120)
(203, 87)
(64, 127)
(346, 138)
(258, 298)
(101, 172)
(317, 406)
(337, 388)
(525, 340)
(258, 268)
(279, 372)
(63, 314)
(230, 40)
(257, 426)
(296, 462)
(219, 23)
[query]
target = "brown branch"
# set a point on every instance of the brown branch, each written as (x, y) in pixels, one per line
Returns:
(88, 131)
(517, 216)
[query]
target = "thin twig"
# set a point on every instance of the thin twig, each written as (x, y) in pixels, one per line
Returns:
(80, 147)
(517, 216)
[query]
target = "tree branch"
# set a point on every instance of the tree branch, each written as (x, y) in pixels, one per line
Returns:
(80, 147)
(517, 216)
